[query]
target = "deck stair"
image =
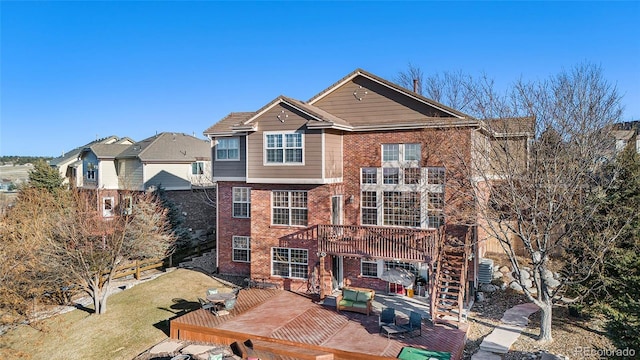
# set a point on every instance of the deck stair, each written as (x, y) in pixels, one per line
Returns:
(449, 286)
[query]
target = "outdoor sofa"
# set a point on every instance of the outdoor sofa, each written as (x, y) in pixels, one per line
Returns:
(355, 299)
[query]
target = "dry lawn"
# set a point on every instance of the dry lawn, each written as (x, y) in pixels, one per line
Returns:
(136, 319)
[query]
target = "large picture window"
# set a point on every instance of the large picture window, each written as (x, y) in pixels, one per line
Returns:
(408, 197)
(401, 208)
(228, 149)
(283, 148)
(241, 249)
(289, 208)
(290, 263)
(241, 202)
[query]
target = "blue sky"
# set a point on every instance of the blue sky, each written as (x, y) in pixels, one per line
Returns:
(74, 71)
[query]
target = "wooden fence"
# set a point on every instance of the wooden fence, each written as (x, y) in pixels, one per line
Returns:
(136, 268)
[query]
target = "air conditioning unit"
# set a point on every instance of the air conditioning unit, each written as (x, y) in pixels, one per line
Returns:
(485, 271)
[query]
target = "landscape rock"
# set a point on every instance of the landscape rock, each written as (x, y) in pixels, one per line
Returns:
(480, 297)
(527, 283)
(524, 274)
(504, 270)
(497, 275)
(552, 283)
(488, 288)
(515, 286)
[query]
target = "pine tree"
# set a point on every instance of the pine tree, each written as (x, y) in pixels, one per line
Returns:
(44, 176)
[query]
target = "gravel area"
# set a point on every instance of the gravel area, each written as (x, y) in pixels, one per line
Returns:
(575, 338)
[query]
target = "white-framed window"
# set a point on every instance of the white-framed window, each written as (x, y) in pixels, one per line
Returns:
(289, 208)
(241, 202)
(369, 176)
(127, 205)
(91, 171)
(228, 149)
(401, 208)
(241, 249)
(289, 262)
(407, 197)
(405, 154)
(283, 148)
(107, 206)
(435, 176)
(369, 268)
(369, 206)
(390, 175)
(197, 168)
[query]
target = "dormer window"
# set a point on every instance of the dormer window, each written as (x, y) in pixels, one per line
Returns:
(283, 148)
(228, 149)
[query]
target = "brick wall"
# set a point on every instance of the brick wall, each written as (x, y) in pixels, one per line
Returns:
(228, 226)
(439, 148)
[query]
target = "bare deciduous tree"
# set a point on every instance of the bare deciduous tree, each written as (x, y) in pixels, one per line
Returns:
(87, 248)
(69, 242)
(534, 173)
(454, 89)
(538, 198)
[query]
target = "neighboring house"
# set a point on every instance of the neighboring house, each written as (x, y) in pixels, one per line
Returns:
(627, 132)
(175, 162)
(336, 190)
(70, 166)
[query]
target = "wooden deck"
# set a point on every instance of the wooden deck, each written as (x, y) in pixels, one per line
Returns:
(292, 321)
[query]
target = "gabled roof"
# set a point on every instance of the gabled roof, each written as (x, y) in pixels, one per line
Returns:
(74, 153)
(390, 85)
(242, 122)
(313, 111)
(108, 151)
(170, 147)
(224, 126)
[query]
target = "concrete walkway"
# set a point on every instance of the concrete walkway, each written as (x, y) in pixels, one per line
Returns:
(501, 338)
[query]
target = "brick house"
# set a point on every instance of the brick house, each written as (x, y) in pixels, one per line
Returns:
(332, 192)
(178, 163)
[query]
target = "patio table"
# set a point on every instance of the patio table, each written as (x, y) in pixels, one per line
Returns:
(220, 298)
(392, 330)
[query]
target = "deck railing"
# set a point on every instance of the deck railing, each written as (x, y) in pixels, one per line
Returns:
(378, 242)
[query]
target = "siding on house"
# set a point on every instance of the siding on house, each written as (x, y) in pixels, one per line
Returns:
(230, 169)
(333, 165)
(364, 102)
(167, 176)
(130, 174)
(310, 171)
(108, 178)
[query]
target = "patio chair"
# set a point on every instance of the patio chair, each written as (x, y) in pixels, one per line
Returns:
(207, 305)
(387, 317)
(228, 305)
(415, 323)
(212, 291)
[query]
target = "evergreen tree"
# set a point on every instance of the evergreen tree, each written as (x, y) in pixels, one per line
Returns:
(44, 176)
(621, 296)
(613, 287)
